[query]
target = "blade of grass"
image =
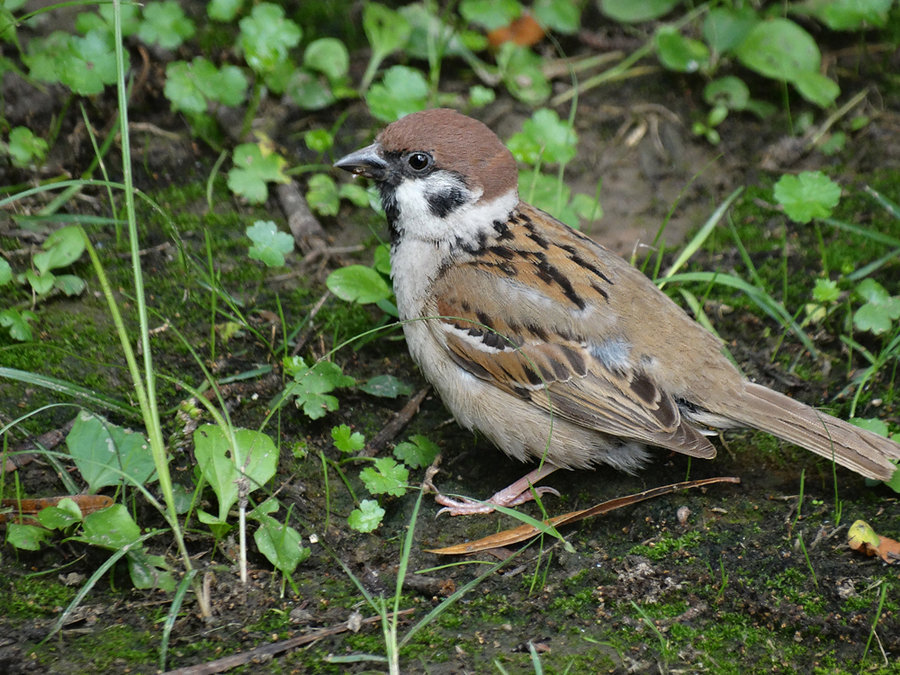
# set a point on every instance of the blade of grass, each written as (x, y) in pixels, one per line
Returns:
(759, 297)
(698, 239)
(83, 394)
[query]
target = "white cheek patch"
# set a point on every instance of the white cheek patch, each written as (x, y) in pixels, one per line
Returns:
(464, 224)
(415, 196)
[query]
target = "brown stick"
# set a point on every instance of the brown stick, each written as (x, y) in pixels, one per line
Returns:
(395, 426)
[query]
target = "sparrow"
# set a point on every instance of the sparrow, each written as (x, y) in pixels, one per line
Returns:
(552, 346)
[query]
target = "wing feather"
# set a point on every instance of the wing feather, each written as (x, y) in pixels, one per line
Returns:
(542, 332)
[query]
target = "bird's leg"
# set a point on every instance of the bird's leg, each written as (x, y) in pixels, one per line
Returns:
(513, 495)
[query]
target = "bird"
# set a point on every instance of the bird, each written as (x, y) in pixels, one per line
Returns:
(553, 347)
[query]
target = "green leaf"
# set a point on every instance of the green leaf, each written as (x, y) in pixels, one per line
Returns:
(385, 477)
(6, 274)
(149, 571)
(267, 36)
(354, 193)
(269, 244)
(17, 323)
(544, 139)
(322, 195)
(367, 517)
(562, 16)
(46, 57)
(808, 195)
(103, 452)
(403, 90)
(418, 451)
(347, 440)
(386, 386)
(253, 455)
(870, 290)
(817, 88)
(728, 91)
(281, 544)
(382, 259)
(69, 284)
(629, 11)
(255, 164)
(165, 24)
(480, 96)
(309, 90)
(61, 248)
(182, 89)
(880, 309)
(25, 147)
(490, 14)
(311, 385)
(523, 74)
(825, 291)
(851, 15)
(779, 49)
(386, 30)
(872, 318)
(318, 140)
(724, 28)
(90, 63)
(111, 528)
(223, 10)
(27, 537)
(328, 56)
(679, 53)
(65, 514)
(358, 283)
(41, 284)
(130, 16)
(190, 85)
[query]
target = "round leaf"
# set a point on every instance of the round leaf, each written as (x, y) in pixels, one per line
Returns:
(328, 56)
(358, 283)
(629, 11)
(779, 49)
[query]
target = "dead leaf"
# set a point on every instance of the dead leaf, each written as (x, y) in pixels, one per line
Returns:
(23, 509)
(861, 537)
(523, 532)
(524, 31)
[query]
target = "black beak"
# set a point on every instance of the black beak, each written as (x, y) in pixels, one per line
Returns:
(365, 162)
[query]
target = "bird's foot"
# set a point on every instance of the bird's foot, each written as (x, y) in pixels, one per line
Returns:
(521, 491)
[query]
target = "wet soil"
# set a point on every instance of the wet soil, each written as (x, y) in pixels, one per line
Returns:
(749, 578)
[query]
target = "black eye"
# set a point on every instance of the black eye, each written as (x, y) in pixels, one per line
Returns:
(419, 161)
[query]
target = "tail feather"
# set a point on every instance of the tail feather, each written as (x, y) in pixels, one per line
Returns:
(859, 450)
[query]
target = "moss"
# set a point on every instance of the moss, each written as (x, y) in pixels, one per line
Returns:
(33, 597)
(667, 544)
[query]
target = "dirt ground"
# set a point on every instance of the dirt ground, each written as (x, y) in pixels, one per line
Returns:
(755, 577)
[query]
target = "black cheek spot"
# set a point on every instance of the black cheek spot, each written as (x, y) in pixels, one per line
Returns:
(443, 203)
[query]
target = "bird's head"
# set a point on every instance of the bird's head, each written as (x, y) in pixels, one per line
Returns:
(438, 168)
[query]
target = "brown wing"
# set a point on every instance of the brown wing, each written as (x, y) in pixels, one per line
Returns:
(545, 330)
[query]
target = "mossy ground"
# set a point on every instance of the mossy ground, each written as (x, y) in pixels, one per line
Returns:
(727, 590)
